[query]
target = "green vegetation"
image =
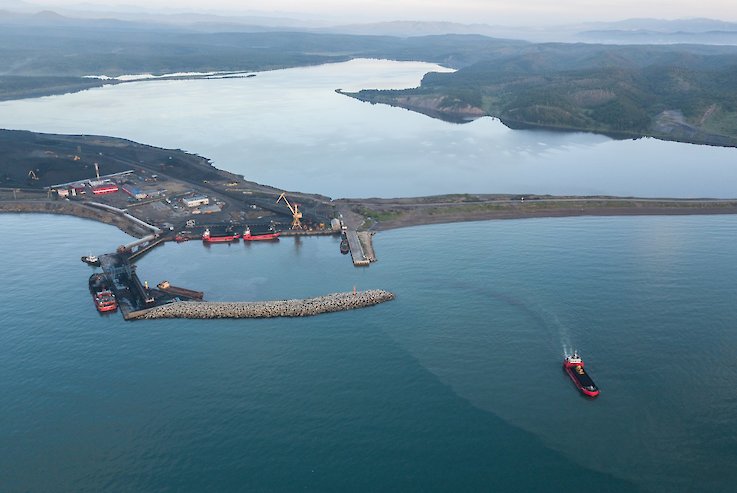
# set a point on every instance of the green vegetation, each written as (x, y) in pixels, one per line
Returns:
(55, 58)
(378, 215)
(682, 93)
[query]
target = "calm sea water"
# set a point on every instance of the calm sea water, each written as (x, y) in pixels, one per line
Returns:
(289, 129)
(455, 386)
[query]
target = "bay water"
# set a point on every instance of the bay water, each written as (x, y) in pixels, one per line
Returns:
(455, 385)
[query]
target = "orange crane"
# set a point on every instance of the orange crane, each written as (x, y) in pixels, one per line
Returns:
(296, 214)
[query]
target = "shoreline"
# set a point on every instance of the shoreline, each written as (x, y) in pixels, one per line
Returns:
(609, 212)
(386, 214)
(466, 113)
(676, 207)
(72, 209)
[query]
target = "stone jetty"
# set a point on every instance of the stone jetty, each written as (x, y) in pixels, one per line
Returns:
(334, 302)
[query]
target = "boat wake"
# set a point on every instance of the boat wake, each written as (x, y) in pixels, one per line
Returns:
(558, 331)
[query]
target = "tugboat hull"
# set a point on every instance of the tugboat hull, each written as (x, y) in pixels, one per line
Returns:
(574, 367)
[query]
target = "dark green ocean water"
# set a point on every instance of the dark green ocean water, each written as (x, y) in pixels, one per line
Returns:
(455, 386)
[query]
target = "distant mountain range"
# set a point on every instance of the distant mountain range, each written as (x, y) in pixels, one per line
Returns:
(664, 26)
(657, 37)
(629, 31)
(656, 31)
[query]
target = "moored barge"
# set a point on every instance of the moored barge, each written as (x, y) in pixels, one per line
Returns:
(209, 237)
(248, 235)
(101, 294)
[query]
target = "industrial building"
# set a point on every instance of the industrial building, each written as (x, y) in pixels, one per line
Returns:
(134, 192)
(196, 201)
(105, 189)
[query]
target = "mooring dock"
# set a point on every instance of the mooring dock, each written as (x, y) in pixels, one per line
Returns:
(367, 243)
(132, 295)
(178, 291)
(359, 257)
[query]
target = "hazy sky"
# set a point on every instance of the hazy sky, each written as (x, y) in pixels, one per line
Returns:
(526, 12)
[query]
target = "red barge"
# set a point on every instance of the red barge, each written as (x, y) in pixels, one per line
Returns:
(102, 296)
(573, 365)
(270, 235)
(227, 237)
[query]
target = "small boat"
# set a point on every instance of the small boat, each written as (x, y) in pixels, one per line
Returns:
(248, 235)
(91, 260)
(181, 236)
(573, 365)
(101, 294)
(226, 237)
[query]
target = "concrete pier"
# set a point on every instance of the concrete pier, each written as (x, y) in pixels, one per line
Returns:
(359, 258)
(366, 239)
(267, 309)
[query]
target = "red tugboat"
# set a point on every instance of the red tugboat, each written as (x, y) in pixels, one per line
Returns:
(102, 296)
(270, 235)
(574, 367)
(227, 237)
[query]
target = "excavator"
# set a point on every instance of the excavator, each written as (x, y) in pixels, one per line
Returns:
(296, 214)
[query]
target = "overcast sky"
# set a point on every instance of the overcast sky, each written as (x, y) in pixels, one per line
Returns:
(526, 12)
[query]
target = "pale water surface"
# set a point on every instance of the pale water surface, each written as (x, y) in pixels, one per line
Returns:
(289, 129)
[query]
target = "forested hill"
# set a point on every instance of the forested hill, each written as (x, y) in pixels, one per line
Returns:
(679, 92)
(684, 93)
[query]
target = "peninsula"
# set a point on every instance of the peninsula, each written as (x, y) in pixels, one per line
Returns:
(161, 179)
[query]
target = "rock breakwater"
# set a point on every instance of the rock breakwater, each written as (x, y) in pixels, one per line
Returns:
(334, 302)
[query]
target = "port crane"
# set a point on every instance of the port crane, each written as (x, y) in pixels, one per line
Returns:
(296, 214)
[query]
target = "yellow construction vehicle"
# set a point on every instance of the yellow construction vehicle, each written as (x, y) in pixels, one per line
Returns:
(296, 214)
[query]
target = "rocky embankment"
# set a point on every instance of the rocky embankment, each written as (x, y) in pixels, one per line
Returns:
(335, 302)
(77, 209)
